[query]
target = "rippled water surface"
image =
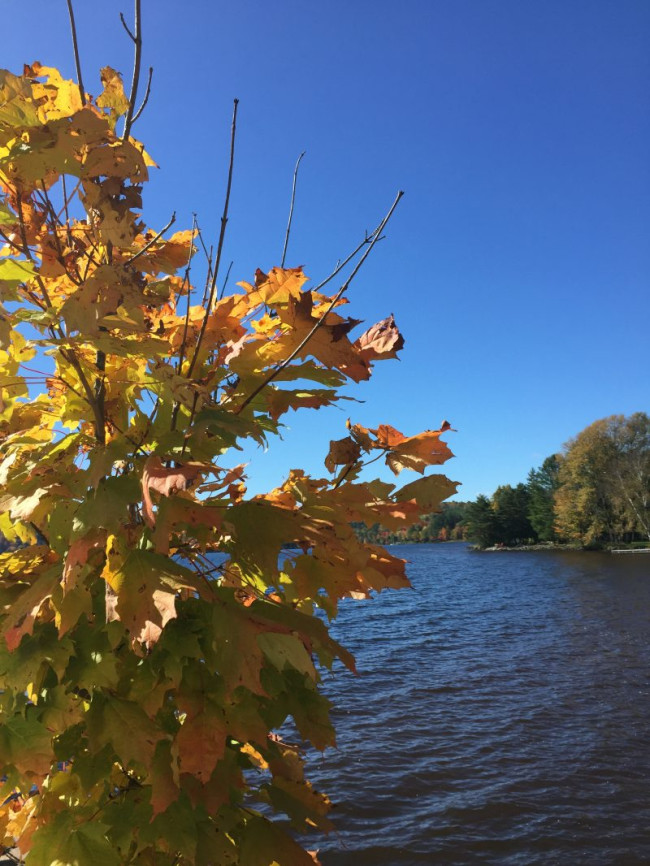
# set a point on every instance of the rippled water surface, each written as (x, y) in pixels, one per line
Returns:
(501, 714)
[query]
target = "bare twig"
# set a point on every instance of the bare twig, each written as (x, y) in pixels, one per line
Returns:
(341, 264)
(75, 48)
(56, 223)
(351, 466)
(137, 41)
(293, 201)
(186, 282)
(225, 282)
(276, 372)
(222, 235)
(153, 240)
(146, 97)
(126, 26)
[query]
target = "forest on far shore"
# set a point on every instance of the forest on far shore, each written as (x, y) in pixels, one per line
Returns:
(594, 494)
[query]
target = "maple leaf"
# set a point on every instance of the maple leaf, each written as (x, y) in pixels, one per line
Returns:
(145, 585)
(78, 553)
(124, 726)
(276, 287)
(329, 343)
(165, 481)
(428, 492)
(113, 96)
(382, 341)
(342, 452)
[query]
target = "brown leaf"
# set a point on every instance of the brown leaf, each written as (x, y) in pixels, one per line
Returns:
(383, 340)
(342, 452)
(164, 481)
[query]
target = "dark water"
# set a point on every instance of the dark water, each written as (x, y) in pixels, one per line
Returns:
(502, 714)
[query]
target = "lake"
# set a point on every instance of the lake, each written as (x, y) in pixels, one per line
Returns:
(501, 714)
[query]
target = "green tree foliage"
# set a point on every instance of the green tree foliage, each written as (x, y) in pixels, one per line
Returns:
(503, 519)
(542, 486)
(511, 506)
(482, 523)
(141, 683)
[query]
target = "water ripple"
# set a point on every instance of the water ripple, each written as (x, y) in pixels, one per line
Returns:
(500, 716)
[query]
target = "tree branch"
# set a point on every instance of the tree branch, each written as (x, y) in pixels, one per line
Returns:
(137, 41)
(369, 238)
(222, 235)
(75, 48)
(146, 97)
(293, 201)
(153, 240)
(276, 372)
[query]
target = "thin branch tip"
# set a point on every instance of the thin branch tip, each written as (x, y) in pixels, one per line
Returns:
(126, 26)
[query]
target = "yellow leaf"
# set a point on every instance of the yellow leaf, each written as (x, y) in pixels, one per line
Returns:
(112, 96)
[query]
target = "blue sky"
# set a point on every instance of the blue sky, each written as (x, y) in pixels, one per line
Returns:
(518, 262)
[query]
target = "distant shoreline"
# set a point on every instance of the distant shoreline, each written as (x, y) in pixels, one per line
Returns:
(573, 548)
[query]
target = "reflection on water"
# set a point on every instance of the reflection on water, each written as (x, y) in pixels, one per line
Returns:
(500, 716)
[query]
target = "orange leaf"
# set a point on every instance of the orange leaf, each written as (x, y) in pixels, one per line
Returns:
(412, 452)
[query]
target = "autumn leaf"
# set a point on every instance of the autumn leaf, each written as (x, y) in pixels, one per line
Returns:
(427, 492)
(382, 341)
(342, 452)
(113, 96)
(328, 343)
(165, 481)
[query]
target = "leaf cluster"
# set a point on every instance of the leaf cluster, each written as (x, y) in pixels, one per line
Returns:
(157, 626)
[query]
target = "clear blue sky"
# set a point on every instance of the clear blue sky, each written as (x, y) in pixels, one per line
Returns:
(518, 262)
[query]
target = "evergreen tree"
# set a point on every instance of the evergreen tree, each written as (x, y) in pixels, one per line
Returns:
(542, 485)
(510, 506)
(482, 523)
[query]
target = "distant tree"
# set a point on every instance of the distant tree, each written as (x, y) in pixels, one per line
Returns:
(510, 506)
(542, 486)
(631, 469)
(604, 478)
(482, 524)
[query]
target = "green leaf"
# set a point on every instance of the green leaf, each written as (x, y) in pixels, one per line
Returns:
(27, 745)
(7, 216)
(265, 844)
(125, 726)
(285, 649)
(13, 272)
(60, 843)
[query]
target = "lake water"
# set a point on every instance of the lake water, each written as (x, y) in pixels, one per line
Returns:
(501, 714)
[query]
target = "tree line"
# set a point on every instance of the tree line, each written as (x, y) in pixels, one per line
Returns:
(594, 493)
